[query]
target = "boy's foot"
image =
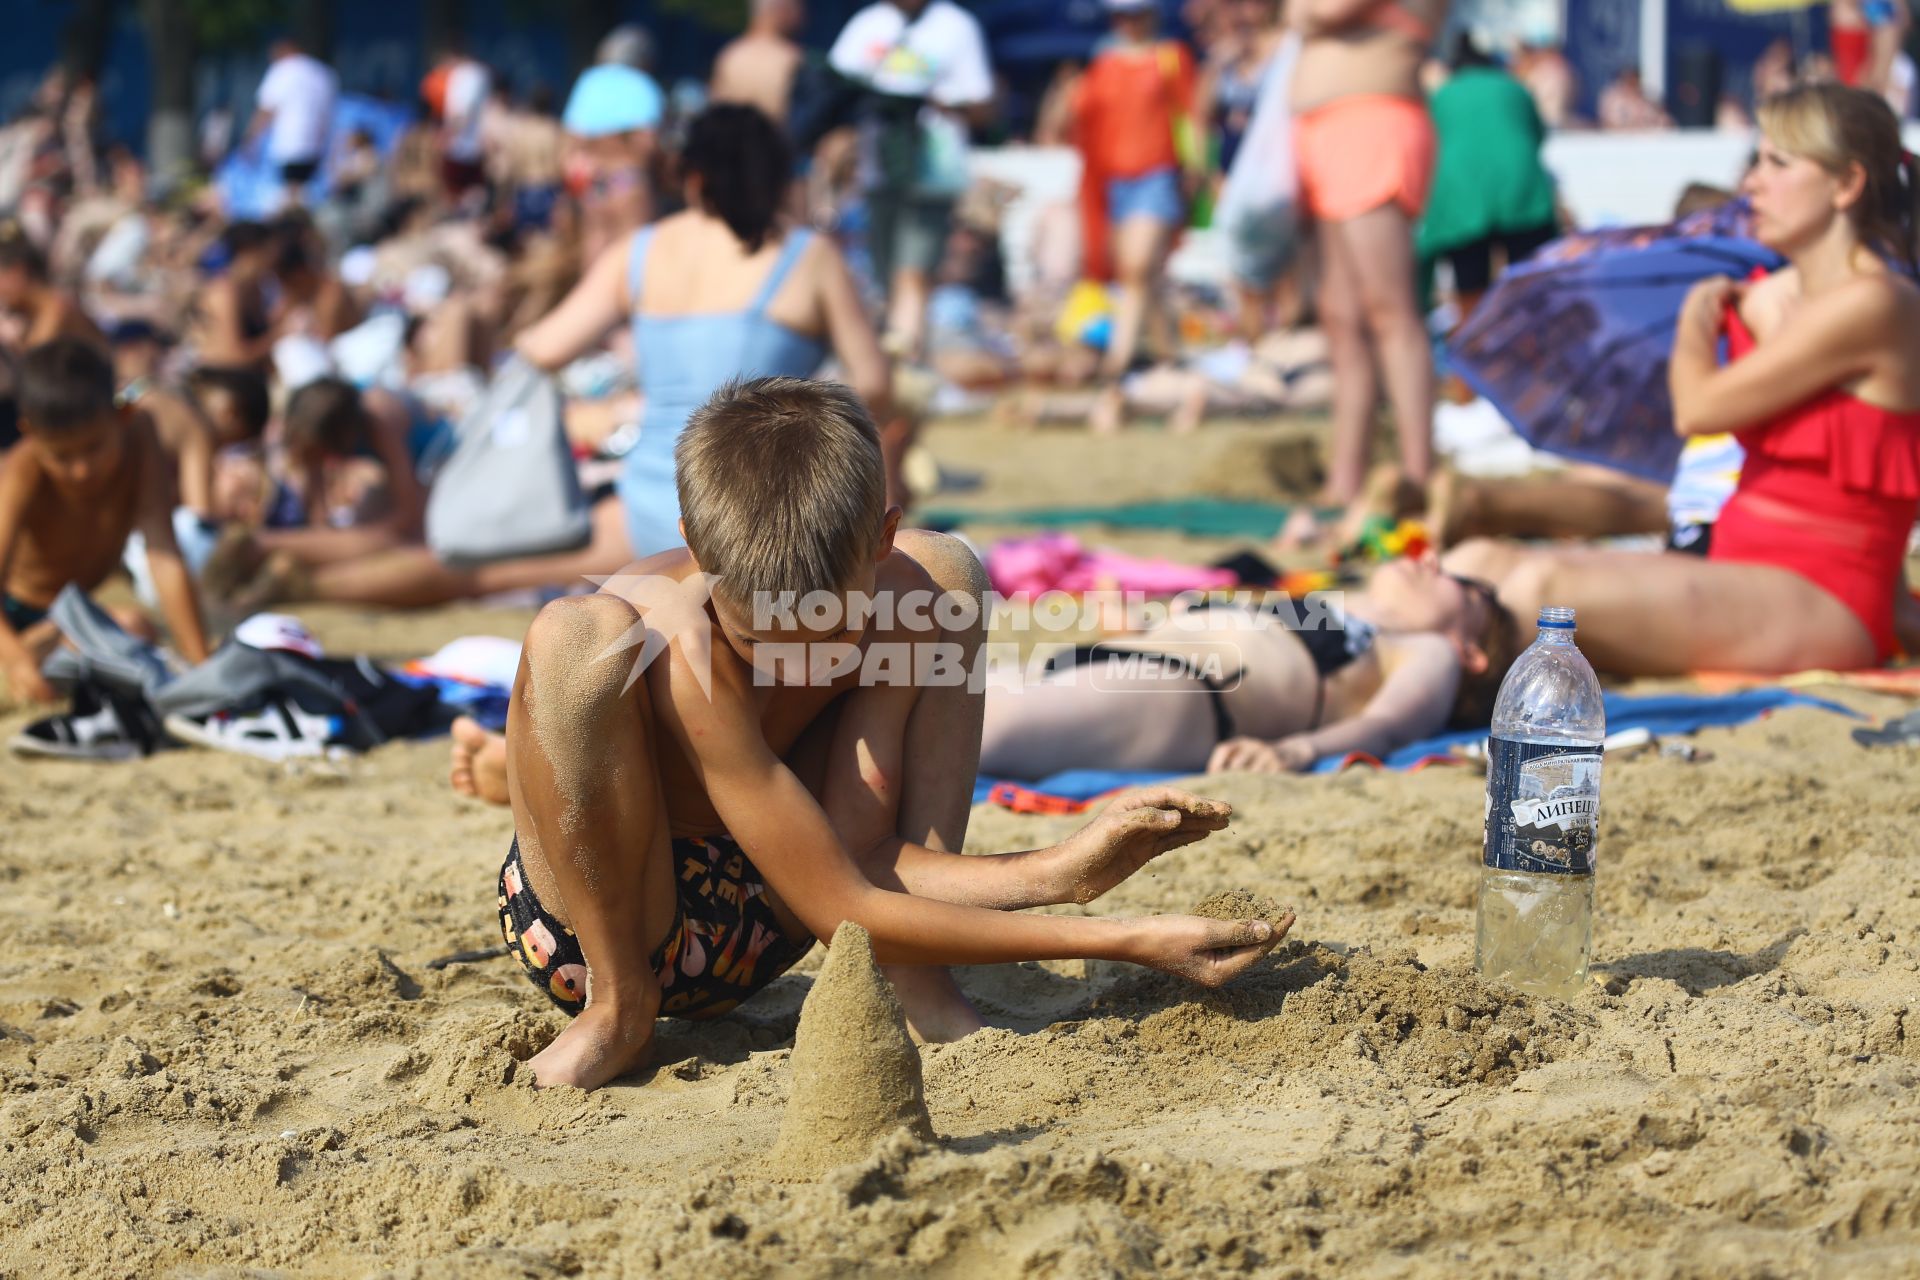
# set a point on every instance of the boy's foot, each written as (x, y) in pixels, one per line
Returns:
(479, 767)
(594, 1048)
(937, 1011)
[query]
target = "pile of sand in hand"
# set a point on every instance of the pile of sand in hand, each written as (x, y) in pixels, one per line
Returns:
(856, 1073)
(1241, 904)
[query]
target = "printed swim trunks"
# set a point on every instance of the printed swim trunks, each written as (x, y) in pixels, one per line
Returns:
(724, 944)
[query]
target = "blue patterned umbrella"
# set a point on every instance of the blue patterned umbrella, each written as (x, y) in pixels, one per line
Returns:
(1572, 346)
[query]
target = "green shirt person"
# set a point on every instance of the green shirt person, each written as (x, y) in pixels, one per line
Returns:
(1489, 185)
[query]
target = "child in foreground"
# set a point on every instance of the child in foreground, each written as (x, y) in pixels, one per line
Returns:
(696, 798)
(85, 474)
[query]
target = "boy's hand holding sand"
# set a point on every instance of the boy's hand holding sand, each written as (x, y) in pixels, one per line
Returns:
(1135, 828)
(684, 833)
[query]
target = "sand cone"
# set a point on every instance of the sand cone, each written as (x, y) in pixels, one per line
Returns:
(856, 1074)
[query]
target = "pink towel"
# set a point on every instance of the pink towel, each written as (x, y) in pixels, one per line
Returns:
(1057, 562)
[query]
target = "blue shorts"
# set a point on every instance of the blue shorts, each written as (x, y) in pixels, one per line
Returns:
(1153, 195)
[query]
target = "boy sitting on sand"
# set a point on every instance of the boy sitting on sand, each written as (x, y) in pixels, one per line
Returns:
(699, 792)
(85, 474)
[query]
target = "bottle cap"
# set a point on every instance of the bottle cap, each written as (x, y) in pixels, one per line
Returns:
(1556, 617)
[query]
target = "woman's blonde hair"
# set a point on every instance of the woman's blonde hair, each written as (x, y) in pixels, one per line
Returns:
(1837, 127)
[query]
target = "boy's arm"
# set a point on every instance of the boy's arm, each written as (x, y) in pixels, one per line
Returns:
(179, 601)
(780, 826)
(866, 776)
(18, 479)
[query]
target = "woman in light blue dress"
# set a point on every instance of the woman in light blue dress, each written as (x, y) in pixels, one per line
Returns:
(721, 291)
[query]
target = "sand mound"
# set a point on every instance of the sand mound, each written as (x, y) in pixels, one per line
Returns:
(1443, 1025)
(856, 1072)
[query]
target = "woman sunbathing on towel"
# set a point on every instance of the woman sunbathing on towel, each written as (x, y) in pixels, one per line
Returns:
(1805, 569)
(1283, 687)
(1417, 651)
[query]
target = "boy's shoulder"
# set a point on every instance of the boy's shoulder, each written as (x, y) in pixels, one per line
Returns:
(900, 571)
(20, 470)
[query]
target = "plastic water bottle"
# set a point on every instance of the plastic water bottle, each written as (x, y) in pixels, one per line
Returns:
(1535, 926)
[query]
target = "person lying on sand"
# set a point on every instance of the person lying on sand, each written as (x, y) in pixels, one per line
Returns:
(1286, 685)
(86, 473)
(699, 792)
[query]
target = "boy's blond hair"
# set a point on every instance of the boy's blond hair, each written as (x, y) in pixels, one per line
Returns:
(782, 487)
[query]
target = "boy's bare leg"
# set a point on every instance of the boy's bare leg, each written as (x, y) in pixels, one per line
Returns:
(592, 828)
(939, 761)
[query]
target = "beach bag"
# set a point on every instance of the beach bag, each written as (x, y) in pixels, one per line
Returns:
(510, 487)
(1257, 214)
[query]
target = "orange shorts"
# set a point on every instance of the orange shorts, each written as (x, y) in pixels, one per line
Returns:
(1357, 154)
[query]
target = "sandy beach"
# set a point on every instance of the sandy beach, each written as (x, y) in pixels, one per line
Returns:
(223, 1051)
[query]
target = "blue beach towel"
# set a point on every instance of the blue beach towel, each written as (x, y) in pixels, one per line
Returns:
(1663, 715)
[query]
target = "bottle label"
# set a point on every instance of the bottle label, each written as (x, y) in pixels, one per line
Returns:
(1543, 807)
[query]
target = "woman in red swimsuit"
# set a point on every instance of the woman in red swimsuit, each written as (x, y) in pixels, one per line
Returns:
(1822, 389)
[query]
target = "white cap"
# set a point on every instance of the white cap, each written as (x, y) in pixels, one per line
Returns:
(278, 631)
